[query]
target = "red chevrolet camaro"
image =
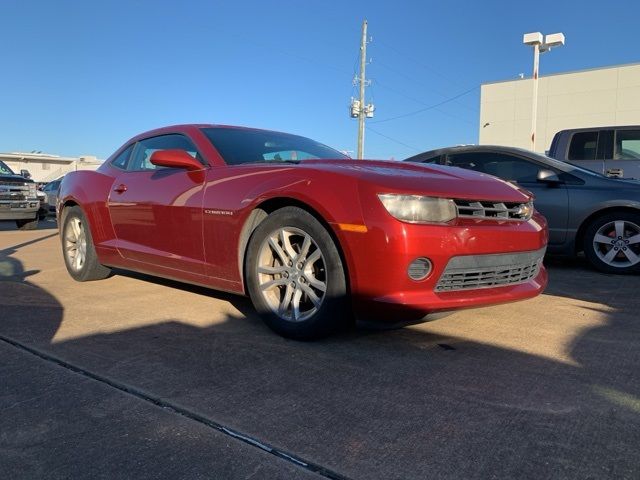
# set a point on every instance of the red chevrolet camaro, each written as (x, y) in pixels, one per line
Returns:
(313, 237)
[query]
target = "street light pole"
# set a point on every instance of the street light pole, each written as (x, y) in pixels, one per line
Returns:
(534, 101)
(535, 39)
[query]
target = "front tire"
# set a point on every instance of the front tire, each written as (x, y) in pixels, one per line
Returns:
(612, 243)
(78, 250)
(295, 276)
(28, 224)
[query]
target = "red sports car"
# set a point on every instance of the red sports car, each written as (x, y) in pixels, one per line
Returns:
(312, 236)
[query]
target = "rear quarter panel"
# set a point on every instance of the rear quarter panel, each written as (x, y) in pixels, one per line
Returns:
(89, 190)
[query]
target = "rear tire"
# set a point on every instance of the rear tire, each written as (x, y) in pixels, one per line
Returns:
(612, 243)
(28, 224)
(295, 276)
(78, 250)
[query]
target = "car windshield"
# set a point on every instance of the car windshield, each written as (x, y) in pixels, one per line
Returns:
(4, 169)
(241, 145)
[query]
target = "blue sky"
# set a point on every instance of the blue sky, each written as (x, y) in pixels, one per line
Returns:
(81, 77)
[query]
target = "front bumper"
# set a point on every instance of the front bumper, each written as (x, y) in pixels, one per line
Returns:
(383, 291)
(22, 210)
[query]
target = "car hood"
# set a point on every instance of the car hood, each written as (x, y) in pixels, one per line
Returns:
(14, 179)
(389, 176)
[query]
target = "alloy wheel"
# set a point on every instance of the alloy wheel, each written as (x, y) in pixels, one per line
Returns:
(75, 244)
(292, 275)
(617, 243)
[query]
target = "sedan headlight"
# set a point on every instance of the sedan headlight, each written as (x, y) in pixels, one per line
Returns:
(419, 209)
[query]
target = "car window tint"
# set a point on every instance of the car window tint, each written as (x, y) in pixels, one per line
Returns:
(627, 145)
(507, 167)
(432, 159)
(121, 160)
(240, 145)
(583, 146)
(141, 159)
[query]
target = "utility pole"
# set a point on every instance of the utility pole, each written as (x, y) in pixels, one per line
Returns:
(359, 109)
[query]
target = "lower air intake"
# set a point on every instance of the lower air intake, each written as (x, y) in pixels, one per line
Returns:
(486, 271)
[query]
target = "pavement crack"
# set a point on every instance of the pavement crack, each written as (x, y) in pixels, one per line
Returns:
(178, 410)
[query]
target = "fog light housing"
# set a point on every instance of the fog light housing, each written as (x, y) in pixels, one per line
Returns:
(419, 269)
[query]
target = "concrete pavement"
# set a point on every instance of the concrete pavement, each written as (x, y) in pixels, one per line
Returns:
(547, 388)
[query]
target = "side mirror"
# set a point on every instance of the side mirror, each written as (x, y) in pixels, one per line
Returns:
(548, 176)
(175, 159)
(25, 173)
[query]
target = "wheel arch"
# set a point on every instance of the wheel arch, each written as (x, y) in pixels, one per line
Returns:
(262, 210)
(582, 229)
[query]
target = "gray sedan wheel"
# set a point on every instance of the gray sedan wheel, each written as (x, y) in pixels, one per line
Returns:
(612, 243)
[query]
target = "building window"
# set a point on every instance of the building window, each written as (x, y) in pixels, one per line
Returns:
(45, 166)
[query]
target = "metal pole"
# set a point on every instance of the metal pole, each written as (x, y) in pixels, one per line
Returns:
(534, 101)
(362, 113)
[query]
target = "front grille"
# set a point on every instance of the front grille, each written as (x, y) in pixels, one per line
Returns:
(486, 271)
(14, 192)
(12, 197)
(493, 210)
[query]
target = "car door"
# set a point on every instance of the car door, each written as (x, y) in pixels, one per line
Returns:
(156, 212)
(551, 200)
(626, 154)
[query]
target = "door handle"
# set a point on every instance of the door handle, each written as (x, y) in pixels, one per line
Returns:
(615, 172)
(120, 188)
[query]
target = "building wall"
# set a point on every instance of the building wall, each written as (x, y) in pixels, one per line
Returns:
(46, 169)
(599, 97)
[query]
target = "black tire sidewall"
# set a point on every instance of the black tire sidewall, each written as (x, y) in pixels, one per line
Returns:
(334, 311)
(590, 232)
(92, 269)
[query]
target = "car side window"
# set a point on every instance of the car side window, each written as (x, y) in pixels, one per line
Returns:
(627, 145)
(52, 186)
(501, 165)
(583, 146)
(435, 159)
(121, 160)
(141, 158)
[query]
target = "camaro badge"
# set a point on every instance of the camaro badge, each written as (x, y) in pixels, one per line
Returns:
(218, 212)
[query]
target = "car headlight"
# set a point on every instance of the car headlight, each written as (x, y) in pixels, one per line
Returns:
(32, 190)
(419, 209)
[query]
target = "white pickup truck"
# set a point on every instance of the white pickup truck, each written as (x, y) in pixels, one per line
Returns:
(19, 200)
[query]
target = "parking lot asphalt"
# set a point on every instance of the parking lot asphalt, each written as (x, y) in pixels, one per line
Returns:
(138, 377)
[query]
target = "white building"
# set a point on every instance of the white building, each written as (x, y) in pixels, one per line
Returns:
(598, 97)
(44, 168)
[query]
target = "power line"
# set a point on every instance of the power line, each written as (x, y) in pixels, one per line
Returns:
(398, 92)
(435, 105)
(394, 140)
(408, 77)
(420, 64)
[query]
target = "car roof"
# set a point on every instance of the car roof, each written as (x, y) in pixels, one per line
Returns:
(606, 127)
(193, 126)
(474, 148)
